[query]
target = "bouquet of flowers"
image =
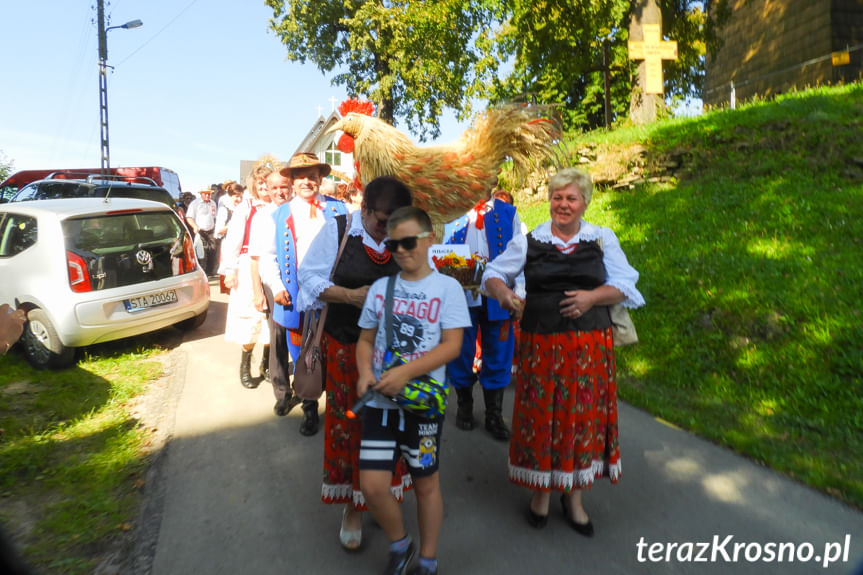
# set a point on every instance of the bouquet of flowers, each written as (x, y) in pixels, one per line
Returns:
(467, 270)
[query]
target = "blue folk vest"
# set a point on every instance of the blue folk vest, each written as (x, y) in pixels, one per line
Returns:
(286, 255)
(498, 231)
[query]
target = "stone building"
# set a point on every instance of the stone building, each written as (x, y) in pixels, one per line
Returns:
(771, 46)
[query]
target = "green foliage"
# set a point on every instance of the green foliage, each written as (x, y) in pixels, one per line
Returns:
(412, 59)
(415, 59)
(6, 166)
(751, 266)
(557, 47)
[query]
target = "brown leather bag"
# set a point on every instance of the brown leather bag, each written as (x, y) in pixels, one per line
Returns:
(308, 379)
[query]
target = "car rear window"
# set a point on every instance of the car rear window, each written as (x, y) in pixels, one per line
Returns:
(129, 248)
(53, 190)
(152, 194)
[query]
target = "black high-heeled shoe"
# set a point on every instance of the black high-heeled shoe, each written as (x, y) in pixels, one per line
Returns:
(585, 529)
(536, 520)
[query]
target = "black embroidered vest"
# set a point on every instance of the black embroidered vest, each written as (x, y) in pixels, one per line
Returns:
(355, 269)
(548, 273)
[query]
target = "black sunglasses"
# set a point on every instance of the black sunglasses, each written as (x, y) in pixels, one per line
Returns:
(407, 243)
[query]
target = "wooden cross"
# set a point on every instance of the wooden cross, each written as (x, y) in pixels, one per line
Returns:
(653, 50)
(333, 102)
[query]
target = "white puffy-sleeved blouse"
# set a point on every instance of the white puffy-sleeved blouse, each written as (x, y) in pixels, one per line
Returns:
(508, 265)
(313, 274)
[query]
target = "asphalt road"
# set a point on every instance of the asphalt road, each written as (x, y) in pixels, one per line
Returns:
(238, 492)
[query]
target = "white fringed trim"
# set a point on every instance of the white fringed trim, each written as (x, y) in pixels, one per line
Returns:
(330, 492)
(564, 481)
(344, 491)
(586, 232)
(530, 476)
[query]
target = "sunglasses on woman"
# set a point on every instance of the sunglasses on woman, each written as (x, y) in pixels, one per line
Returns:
(407, 243)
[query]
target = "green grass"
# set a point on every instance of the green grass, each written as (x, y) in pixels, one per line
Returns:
(71, 454)
(751, 267)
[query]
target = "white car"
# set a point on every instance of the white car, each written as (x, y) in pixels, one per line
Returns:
(91, 270)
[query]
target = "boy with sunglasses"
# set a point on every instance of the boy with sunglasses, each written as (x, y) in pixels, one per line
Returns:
(429, 317)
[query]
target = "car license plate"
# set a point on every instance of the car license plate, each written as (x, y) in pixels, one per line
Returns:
(150, 300)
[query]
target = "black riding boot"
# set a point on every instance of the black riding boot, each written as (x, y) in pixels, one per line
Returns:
(464, 418)
(246, 370)
(311, 421)
(265, 363)
(494, 414)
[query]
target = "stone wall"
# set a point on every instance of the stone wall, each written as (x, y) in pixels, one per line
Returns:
(766, 41)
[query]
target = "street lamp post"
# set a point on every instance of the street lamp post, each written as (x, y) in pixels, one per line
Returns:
(103, 81)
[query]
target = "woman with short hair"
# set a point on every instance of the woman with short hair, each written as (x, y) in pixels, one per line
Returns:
(565, 431)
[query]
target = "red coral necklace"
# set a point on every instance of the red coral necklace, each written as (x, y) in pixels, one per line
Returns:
(379, 259)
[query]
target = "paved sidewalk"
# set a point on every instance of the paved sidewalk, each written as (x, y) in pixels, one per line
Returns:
(242, 496)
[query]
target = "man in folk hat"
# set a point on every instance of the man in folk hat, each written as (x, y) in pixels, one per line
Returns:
(296, 223)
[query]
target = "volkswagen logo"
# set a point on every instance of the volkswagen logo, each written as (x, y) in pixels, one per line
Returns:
(143, 257)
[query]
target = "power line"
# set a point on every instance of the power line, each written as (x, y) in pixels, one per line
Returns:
(153, 37)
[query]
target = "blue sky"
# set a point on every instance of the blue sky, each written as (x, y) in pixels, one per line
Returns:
(200, 86)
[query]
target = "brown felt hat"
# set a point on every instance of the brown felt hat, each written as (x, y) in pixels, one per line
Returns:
(305, 160)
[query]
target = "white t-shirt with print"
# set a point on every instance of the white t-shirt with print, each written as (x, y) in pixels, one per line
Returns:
(421, 310)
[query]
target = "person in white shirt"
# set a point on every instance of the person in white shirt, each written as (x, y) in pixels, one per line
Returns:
(201, 218)
(244, 324)
(225, 210)
(486, 229)
(280, 247)
(364, 260)
(427, 321)
(565, 430)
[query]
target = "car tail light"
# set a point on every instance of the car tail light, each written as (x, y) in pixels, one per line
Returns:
(79, 276)
(190, 262)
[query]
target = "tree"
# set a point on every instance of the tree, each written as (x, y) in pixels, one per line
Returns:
(6, 166)
(557, 47)
(412, 59)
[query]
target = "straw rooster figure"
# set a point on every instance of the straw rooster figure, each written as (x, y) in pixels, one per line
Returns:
(448, 180)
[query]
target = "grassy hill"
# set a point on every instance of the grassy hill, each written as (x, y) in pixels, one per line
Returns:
(751, 265)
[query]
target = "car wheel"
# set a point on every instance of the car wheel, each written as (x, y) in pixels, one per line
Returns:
(42, 345)
(193, 322)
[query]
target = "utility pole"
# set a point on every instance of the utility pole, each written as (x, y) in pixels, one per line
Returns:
(103, 87)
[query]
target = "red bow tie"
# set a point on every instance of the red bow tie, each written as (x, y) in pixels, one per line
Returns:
(480, 209)
(314, 205)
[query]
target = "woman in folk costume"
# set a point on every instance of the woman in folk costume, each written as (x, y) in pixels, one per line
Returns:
(565, 431)
(364, 260)
(244, 324)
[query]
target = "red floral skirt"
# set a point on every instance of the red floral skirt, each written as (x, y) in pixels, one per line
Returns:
(342, 435)
(565, 416)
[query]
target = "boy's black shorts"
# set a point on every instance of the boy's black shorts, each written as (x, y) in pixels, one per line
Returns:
(388, 433)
